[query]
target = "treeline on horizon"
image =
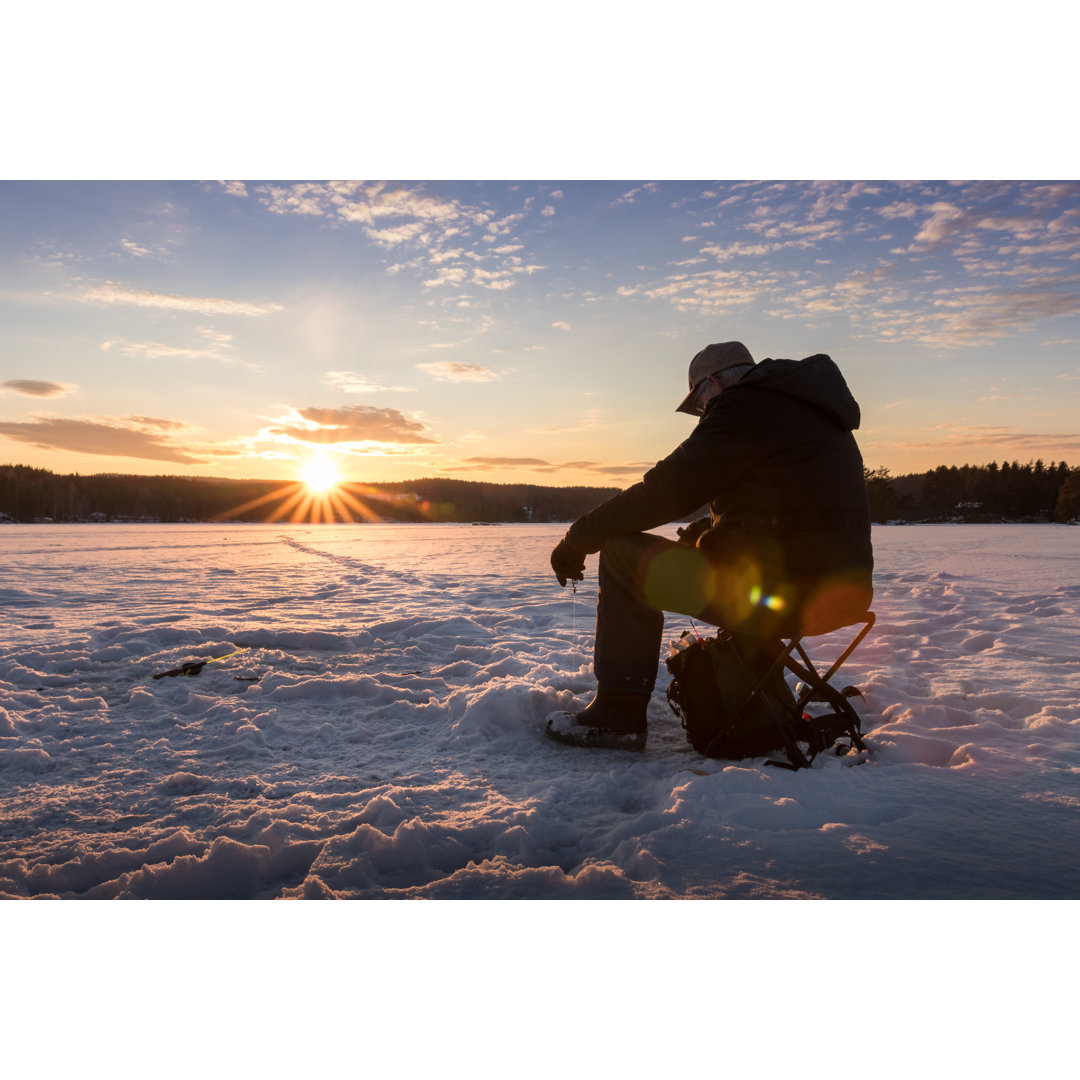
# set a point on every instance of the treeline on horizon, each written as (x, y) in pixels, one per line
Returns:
(28, 494)
(1031, 492)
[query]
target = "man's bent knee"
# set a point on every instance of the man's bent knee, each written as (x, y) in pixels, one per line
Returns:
(667, 575)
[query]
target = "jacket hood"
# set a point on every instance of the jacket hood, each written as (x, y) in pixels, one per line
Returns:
(815, 380)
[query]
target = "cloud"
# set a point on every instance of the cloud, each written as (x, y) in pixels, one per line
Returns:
(967, 220)
(1023, 228)
(737, 249)
(364, 203)
(476, 464)
(455, 371)
(509, 462)
(494, 280)
(447, 275)
(37, 388)
(634, 194)
(405, 233)
(560, 326)
(1002, 438)
(499, 279)
(592, 419)
(503, 277)
(1068, 245)
(981, 319)
(236, 188)
(942, 287)
(154, 422)
(114, 293)
(801, 234)
(503, 226)
(856, 286)
(349, 382)
(638, 468)
(837, 197)
(216, 348)
(442, 255)
(138, 250)
(1045, 196)
(711, 291)
(905, 209)
(449, 236)
(352, 424)
(134, 437)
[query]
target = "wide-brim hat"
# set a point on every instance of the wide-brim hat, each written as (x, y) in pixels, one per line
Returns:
(711, 361)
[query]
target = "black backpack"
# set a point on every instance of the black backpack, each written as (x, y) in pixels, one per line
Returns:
(734, 703)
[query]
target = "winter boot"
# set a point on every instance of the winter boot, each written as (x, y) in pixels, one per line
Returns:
(615, 719)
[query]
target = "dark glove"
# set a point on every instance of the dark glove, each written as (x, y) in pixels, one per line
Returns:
(568, 562)
(689, 535)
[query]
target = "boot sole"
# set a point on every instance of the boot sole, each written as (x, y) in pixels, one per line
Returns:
(571, 734)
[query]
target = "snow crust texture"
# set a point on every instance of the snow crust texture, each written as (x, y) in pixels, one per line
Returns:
(373, 726)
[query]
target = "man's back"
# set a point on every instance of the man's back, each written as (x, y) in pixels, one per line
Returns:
(787, 466)
(792, 499)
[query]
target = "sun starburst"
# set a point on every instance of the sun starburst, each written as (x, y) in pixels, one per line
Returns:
(322, 496)
(321, 475)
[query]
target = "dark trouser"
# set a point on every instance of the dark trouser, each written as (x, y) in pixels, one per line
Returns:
(741, 586)
(642, 576)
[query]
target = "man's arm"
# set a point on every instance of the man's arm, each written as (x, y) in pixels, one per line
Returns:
(697, 471)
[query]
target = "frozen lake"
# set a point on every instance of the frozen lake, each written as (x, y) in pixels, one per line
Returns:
(377, 730)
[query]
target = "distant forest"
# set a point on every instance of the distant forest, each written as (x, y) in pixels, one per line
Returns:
(29, 495)
(1032, 492)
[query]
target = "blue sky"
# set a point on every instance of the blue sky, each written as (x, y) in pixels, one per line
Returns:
(520, 331)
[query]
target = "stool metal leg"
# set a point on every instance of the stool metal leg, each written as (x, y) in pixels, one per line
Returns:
(820, 734)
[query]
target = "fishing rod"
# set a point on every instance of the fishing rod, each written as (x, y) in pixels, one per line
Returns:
(193, 667)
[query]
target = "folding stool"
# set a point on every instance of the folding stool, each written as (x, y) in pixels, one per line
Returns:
(820, 731)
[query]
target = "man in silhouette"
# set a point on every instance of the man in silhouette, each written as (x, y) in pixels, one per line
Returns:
(786, 547)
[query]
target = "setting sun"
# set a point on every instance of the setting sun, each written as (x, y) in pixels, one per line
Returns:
(320, 475)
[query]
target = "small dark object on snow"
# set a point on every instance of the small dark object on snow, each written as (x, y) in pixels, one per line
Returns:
(192, 667)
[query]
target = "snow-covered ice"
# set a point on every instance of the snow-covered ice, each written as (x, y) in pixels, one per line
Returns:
(374, 727)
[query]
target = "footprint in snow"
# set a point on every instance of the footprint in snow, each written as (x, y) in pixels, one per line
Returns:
(978, 643)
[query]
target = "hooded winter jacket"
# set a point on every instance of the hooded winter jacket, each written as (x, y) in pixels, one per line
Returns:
(775, 458)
